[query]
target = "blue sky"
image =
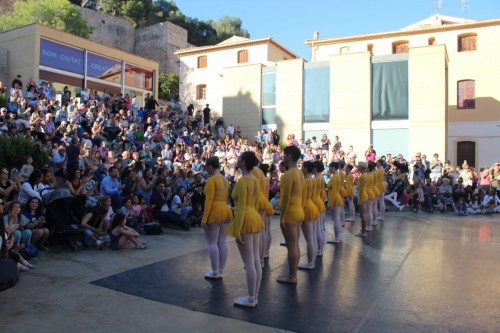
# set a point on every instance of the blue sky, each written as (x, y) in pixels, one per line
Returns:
(291, 22)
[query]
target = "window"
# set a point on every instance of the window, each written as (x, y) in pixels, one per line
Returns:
(201, 91)
(466, 94)
(344, 49)
(202, 62)
(400, 47)
(242, 56)
(269, 98)
(316, 94)
(467, 42)
(369, 48)
(432, 41)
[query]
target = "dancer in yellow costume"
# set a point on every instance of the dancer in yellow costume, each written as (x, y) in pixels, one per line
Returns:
(349, 189)
(311, 215)
(362, 197)
(382, 188)
(319, 201)
(335, 201)
(216, 217)
(373, 195)
(293, 197)
(247, 225)
(265, 208)
(342, 192)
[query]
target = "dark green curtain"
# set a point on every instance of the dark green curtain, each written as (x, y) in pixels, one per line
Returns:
(390, 90)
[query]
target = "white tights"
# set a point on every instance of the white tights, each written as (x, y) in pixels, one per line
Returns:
(393, 198)
(381, 203)
(249, 252)
(217, 246)
(320, 233)
(337, 226)
(309, 230)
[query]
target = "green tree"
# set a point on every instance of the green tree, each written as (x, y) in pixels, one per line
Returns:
(58, 14)
(227, 27)
(169, 84)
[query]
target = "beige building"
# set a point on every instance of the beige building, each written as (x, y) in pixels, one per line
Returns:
(202, 71)
(453, 99)
(47, 54)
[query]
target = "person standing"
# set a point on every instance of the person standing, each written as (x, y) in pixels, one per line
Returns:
(216, 218)
(206, 116)
(247, 226)
(293, 198)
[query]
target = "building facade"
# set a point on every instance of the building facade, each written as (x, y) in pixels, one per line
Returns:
(46, 54)
(202, 79)
(429, 88)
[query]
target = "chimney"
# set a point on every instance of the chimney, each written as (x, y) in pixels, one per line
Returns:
(316, 35)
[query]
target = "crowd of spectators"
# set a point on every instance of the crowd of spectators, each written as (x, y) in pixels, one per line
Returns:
(147, 163)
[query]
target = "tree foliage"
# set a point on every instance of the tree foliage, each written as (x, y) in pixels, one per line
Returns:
(14, 149)
(200, 32)
(58, 14)
(169, 84)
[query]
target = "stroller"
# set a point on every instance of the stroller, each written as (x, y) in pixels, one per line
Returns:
(62, 210)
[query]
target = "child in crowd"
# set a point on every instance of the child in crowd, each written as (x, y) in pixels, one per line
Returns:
(121, 235)
(438, 206)
(275, 203)
(26, 169)
(461, 207)
(475, 207)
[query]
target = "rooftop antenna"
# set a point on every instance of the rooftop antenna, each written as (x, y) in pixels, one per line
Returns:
(439, 3)
(465, 7)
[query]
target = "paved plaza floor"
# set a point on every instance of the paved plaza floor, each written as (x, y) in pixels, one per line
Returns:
(413, 273)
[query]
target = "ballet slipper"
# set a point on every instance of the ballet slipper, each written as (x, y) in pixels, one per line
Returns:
(286, 279)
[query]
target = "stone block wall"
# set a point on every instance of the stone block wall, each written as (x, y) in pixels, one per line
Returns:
(111, 31)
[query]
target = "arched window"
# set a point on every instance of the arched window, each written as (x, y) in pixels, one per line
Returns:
(401, 46)
(467, 42)
(466, 94)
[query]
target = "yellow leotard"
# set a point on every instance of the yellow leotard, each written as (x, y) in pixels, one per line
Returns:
(264, 191)
(362, 184)
(369, 185)
(319, 194)
(216, 191)
(293, 196)
(380, 178)
(342, 191)
(246, 200)
(334, 197)
(311, 212)
(349, 185)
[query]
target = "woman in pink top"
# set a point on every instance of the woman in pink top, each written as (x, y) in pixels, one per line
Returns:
(484, 180)
(370, 155)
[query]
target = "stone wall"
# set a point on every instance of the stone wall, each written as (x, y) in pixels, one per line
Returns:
(111, 31)
(157, 42)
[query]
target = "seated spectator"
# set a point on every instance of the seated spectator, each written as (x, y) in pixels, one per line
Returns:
(120, 234)
(28, 189)
(491, 202)
(16, 224)
(461, 207)
(438, 206)
(275, 202)
(181, 204)
(91, 188)
(8, 188)
(9, 273)
(476, 206)
(26, 169)
(160, 208)
(95, 223)
(445, 191)
(110, 186)
(35, 222)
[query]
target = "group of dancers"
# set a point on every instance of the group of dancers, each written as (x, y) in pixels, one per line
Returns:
(302, 204)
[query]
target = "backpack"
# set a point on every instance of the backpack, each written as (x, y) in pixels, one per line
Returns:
(152, 228)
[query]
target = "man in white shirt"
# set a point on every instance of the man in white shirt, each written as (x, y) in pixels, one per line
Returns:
(491, 202)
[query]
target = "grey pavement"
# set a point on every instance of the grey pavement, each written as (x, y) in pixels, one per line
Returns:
(420, 272)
